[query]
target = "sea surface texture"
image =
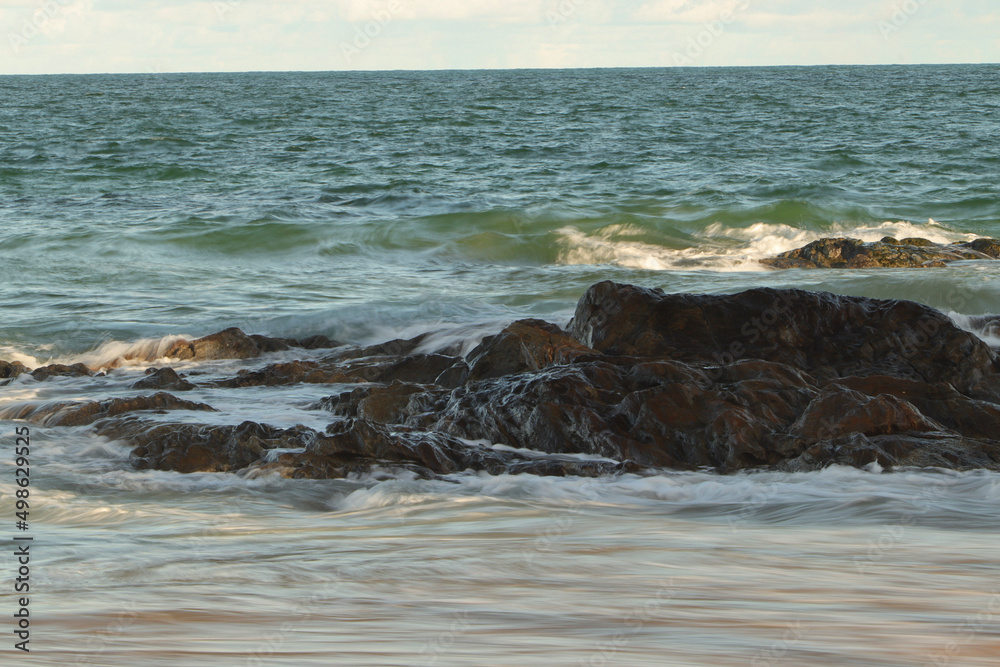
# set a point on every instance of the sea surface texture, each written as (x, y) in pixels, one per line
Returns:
(370, 206)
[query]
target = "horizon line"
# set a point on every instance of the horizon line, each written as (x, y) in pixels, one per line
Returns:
(505, 69)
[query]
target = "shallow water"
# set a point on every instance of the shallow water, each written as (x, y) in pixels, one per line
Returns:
(365, 206)
(832, 568)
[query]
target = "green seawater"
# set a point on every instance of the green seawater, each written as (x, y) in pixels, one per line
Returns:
(355, 203)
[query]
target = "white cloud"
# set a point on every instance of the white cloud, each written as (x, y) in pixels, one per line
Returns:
(235, 35)
(691, 11)
(820, 20)
(509, 11)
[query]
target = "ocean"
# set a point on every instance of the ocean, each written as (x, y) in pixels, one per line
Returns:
(367, 206)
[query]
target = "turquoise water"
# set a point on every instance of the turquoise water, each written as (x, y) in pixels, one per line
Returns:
(365, 206)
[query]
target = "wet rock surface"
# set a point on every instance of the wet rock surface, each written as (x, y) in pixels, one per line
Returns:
(844, 253)
(233, 343)
(825, 335)
(11, 369)
(163, 378)
(61, 370)
(348, 447)
(525, 345)
(639, 381)
(75, 413)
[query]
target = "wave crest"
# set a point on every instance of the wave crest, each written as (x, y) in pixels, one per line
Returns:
(719, 247)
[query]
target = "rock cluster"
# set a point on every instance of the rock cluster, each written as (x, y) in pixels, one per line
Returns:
(640, 380)
(234, 344)
(842, 253)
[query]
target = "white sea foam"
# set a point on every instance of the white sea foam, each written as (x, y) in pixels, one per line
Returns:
(109, 354)
(608, 247)
(19, 392)
(988, 334)
(137, 353)
(10, 353)
(725, 248)
(439, 335)
(836, 493)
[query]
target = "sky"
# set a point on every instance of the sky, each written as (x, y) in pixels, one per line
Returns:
(87, 36)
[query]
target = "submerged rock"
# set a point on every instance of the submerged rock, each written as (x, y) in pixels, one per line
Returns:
(191, 448)
(61, 370)
(844, 253)
(928, 450)
(640, 380)
(229, 344)
(163, 378)
(989, 247)
(378, 403)
(525, 345)
(417, 368)
(11, 369)
(233, 343)
(351, 447)
(73, 413)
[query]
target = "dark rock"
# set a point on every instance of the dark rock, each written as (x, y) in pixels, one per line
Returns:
(697, 407)
(351, 447)
(360, 439)
(824, 335)
(918, 242)
(990, 247)
(841, 253)
(891, 451)
(383, 404)
(316, 343)
(417, 368)
(232, 343)
(557, 410)
(163, 378)
(661, 414)
(839, 411)
(60, 370)
(392, 348)
(525, 345)
(454, 376)
(292, 372)
(265, 344)
(939, 401)
(729, 420)
(71, 413)
(345, 444)
(199, 447)
(11, 369)
(780, 379)
(229, 344)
